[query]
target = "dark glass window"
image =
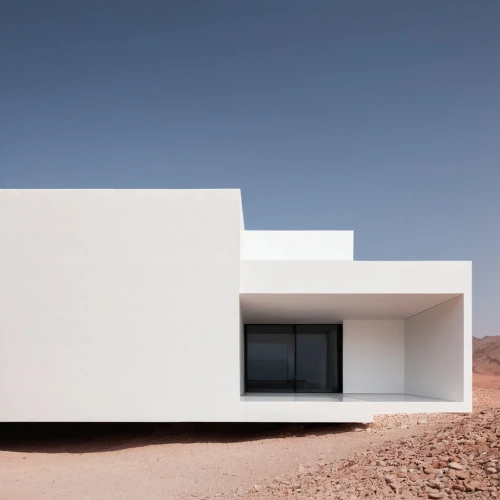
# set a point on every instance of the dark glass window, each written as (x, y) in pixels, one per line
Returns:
(270, 359)
(293, 358)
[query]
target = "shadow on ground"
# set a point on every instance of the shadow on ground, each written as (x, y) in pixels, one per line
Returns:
(102, 437)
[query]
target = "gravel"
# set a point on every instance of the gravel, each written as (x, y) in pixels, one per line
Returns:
(458, 457)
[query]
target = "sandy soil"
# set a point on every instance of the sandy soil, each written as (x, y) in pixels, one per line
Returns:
(486, 381)
(207, 461)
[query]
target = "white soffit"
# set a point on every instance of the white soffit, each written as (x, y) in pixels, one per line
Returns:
(334, 308)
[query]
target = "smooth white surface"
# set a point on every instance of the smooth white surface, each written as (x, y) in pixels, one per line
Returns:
(124, 305)
(343, 397)
(374, 353)
(330, 277)
(297, 245)
(306, 411)
(316, 397)
(334, 308)
(337, 407)
(395, 398)
(119, 305)
(434, 351)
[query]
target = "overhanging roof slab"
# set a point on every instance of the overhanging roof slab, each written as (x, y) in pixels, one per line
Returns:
(355, 277)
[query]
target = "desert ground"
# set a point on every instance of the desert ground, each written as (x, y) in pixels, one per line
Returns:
(486, 381)
(401, 456)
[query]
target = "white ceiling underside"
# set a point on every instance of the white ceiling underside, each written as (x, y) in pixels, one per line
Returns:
(334, 308)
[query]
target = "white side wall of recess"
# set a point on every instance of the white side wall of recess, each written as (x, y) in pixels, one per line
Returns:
(434, 352)
(373, 356)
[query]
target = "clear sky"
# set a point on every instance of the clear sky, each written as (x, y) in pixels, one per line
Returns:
(377, 116)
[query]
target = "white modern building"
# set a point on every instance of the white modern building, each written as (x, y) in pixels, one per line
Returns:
(158, 305)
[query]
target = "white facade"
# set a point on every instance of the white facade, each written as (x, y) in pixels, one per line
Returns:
(130, 305)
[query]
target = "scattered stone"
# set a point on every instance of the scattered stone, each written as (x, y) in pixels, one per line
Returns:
(451, 474)
(436, 485)
(462, 474)
(437, 495)
(431, 470)
(457, 458)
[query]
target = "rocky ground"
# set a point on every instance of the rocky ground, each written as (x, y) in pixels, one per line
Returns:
(398, 456)
(457, 457)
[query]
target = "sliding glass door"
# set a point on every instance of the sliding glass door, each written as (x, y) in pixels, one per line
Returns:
(293, 358)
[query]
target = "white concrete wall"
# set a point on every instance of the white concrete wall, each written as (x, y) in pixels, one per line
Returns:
(373, 356)
(434, 352)
(119, 305)
(297, 245)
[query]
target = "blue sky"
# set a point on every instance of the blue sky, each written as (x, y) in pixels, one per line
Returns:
(382, 117)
